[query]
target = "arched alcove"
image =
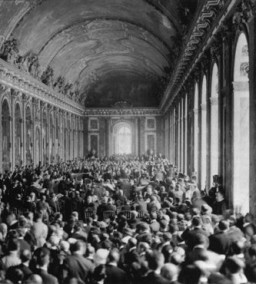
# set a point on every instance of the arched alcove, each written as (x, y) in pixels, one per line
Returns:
(196, 129)
(122, 138)
(37, 146)
(51, 140)
(28, 134)
(44, 138)
(203, 134)
(214, 140)
(241, 131)
(18, 129)
(6, 141)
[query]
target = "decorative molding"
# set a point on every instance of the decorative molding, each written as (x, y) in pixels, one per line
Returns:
(20, 81)
(214, 101)
(241, 86)
(123, 112)
(205, 27)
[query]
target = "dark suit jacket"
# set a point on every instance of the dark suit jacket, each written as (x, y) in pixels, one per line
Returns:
(47, 278)
(26, 270)
(220, 243)
(78, 267)
(115, 275)
(153, 278)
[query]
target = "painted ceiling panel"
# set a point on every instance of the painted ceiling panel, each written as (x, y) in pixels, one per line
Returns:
(105, 48)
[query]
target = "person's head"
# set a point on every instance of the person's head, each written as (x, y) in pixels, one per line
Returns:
(155, 260)
(114, 256)
(149, 189)
(43, 257)
(34, 279)
(15, 275)
(170, 272)
(219, 195)
(79, 247)
(25, 255)
(191, 274)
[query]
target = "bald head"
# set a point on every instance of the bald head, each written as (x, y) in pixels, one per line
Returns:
(170, 271)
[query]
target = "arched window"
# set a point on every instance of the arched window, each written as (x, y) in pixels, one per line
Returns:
(214, 140)
(241, 131)
(29, 140)
(123, 140)
(17, 135)
(6, 140)
(196, 130)
(203, 134)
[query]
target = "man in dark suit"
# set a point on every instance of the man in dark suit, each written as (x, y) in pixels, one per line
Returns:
(220, 241)
(114, 274)
(155, 263)
(76, 265)
(43, 260)
(25, 257)
(190, 234)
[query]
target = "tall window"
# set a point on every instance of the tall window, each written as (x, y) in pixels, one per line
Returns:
(241, 131)
(186, 134)
(196, 130)
(203, 135)
(214, 153)
(124, 140)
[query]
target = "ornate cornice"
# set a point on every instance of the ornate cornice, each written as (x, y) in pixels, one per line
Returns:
(131, 112)
(12, 77)
(203, 30)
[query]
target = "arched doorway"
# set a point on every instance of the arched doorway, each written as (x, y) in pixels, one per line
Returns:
(6, 132)
(214, 153)
(37, 146)
(51, 140)
(196, 130)
(17, 140)
(241, 131)
(203, 134)
(122, 138)
(28, 136)
(44, 138)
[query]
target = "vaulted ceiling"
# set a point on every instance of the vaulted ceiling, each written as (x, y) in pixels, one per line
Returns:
(110, 50)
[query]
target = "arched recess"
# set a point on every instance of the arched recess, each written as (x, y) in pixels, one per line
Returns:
(122, 138)
(37, 146)
(6, 138)
(196, 129)
(203, 134)
(68, 139)
(215, 129)
(51, 140)
(18, 137)
(44, 138)
(29, 136)
(241, 131)
(57, 138)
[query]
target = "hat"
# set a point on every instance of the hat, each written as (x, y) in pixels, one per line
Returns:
(101, 256)
(128, 231)
(206, 209)
(103, 224)
(167, 236)
(223, 225)
(126, 239)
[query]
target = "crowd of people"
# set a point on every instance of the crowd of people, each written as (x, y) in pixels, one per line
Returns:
(121, 219)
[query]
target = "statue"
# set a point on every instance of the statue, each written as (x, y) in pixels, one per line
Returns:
(9, 51)
(59, 84)
(67, 89)
(30, 64)
(47, 76)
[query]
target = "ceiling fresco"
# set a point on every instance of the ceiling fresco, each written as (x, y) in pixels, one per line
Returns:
(105, 51)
